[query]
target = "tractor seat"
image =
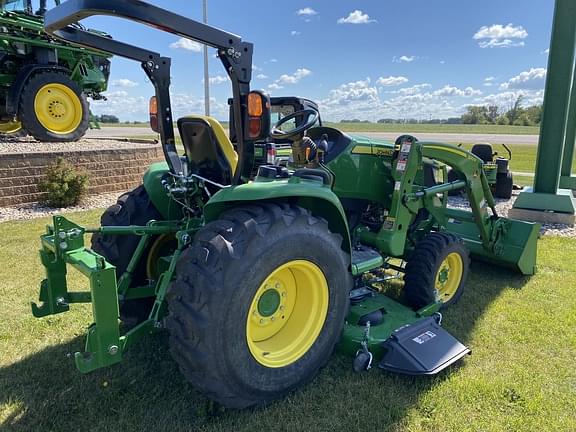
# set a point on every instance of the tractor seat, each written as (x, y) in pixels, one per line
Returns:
(208, 148)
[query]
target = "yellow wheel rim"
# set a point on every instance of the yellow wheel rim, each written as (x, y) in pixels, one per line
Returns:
(58, 108)
(449, 277)
(287, 313)
(10, 127)
(162, 246)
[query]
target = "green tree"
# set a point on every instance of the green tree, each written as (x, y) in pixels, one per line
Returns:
(515, 110)
(492, 113)
(475, 115)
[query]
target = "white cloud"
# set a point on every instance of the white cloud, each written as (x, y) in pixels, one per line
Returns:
(392, 81)
(307, 11)
(408, 91)
(361, 99)
(506, 99)
(404, 59)
(294, 78)
(275, 86)
(124, 82)
(272, 60)
(489, 81)
(533, 79)
(356, 17)
(500, 36)
(449, 91)
(546, 51)
(186, 44)
(218, 79)
(261, 76)
(357, 91)
(295, 33)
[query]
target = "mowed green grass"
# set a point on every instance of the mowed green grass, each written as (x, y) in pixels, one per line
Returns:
(415, 128)
(439, 128)
(520, 377)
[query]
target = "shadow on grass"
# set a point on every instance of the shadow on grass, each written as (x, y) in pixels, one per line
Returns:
(146, 391)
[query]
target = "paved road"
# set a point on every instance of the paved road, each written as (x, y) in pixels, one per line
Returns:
(443, 137)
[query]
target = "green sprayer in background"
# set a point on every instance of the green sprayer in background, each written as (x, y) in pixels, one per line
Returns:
(45, 82)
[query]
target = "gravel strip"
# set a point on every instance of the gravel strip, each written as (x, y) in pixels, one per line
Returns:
(29, 145)
(36, 210)
(502, 207)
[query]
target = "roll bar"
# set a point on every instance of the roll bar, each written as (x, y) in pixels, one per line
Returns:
(235, 55)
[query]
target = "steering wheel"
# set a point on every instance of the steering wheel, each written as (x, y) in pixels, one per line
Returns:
(277, 133)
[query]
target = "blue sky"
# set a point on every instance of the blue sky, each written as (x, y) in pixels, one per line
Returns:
(363, 59)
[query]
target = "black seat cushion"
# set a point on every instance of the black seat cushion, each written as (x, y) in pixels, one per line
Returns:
(203, 151)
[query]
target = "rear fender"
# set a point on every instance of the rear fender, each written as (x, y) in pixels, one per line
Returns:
(309, 194)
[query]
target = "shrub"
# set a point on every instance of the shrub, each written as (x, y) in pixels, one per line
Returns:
(64, 185)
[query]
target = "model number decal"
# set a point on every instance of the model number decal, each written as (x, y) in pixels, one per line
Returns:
(424, 337)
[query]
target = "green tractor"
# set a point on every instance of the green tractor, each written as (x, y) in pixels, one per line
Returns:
(258, 280)
(45, 82)
(496, 169)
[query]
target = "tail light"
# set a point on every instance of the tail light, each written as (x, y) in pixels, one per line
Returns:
(270, 154)
(258, 107)
(153, 110)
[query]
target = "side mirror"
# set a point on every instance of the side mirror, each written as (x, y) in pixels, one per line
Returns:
(257, 116)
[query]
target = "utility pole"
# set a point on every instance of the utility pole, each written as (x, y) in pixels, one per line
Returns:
(206, 73)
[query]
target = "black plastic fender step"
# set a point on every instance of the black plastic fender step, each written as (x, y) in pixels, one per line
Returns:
(422, 348)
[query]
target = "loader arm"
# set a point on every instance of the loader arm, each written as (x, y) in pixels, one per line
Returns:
(489, 237)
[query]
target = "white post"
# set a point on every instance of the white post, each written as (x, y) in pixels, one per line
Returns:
(206, 73)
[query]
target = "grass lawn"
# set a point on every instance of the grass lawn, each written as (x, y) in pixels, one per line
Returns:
(440, 128)
(520, 377)
(415, 128)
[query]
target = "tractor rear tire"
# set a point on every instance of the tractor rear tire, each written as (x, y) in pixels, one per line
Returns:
(504, 186)
(436, 271)
(132, 208)
(53, 108)
(258, 303)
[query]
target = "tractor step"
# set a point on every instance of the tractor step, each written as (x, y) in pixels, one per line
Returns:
(422, 348)
(365, 259)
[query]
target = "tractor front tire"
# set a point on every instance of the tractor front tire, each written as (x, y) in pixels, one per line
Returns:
(258, 303)
(504, 186)
(132, 208)
(53, 108)
(436, 270)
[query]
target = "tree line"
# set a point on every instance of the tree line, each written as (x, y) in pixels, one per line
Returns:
(515, 114)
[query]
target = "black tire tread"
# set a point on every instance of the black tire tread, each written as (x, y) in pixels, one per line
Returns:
(192, 310)
(504, 186)
(421, 268)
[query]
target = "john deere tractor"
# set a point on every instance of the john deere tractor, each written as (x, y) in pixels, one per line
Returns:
(44, 82)
(258, 281)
